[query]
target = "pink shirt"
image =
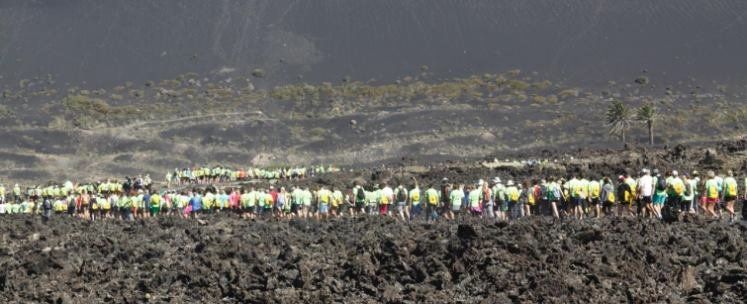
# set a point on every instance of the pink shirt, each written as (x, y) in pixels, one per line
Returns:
(233, 199)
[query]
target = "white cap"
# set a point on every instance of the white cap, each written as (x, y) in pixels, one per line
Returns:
(480, 182)
(510, 183)
(497, 180)
(674, 173)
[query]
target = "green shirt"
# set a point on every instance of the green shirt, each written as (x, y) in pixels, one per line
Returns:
(499, 193)
(124, 202)
(711, 189)
(729, 187)
(474, 198)
(456, 196)
(297, 196)
(674, 183)
(307, 198)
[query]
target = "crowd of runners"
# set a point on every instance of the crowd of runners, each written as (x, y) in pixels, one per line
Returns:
(650, 194)
(219, 174)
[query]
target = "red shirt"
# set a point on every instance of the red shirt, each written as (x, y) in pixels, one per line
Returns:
(274, 194)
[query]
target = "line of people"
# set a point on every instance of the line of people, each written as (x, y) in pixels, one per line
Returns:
(648, 195)
(211, 175)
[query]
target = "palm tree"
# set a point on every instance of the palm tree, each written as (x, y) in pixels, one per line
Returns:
(647, 114)
(619, 119)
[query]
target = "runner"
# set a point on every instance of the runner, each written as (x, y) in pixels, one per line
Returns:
(401, 195)
(360, 199)
(475, 199)
(324, 197)
(155, 203)
(432, 198)
(499, 197)
(487, 200)
(645, 192)
(297, 202)
(386, 197)
(513, 194)
(595, 197)
(307, 197)
(676, 199)
(608, 197)
(660, 195)
(414, 201)
(711, 195)
(553, 195)
(195, 204)
(339, 206)
(578, 196)
(455, 198)
(729, 194)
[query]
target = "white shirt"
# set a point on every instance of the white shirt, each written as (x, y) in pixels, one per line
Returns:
(388, 193)
(646, 185)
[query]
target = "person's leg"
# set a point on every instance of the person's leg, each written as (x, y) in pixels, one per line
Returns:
(708, 208)
(730, 209)
(554, 207)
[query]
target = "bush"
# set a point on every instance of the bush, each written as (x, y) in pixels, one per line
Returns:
(317, 132)
(85, 104)
(259, 73)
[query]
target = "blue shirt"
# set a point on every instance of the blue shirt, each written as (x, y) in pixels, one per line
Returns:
(196, 202)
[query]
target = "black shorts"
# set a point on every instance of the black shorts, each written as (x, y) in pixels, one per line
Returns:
(595, 201)
(578, 202)
(646, 200)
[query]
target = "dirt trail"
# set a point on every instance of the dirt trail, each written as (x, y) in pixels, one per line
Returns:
(261, 116)
(371, 260)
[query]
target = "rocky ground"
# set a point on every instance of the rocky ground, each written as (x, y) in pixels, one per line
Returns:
(367, 260)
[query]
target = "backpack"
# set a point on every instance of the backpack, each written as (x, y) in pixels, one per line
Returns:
(550, 193)
(537, 192)
(401, 195)
(688, 190)
(610, 196)
(384, 199)
(712, 192)
(678, 188)
(415, 196)
(578, 190)
(432, 199)
(731, 189)
(594, 190)
(661, 184)
(514, 196)
(361, 195)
